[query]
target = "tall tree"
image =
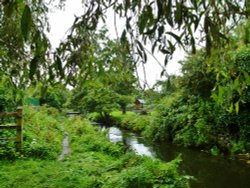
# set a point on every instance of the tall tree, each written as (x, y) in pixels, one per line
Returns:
(106, 78)
(167, 23)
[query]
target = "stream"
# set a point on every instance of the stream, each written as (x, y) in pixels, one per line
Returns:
(210, 171)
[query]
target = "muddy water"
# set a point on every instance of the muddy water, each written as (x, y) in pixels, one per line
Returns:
(210, 172)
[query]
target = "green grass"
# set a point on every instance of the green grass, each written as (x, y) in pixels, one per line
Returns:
(42, 134)
(119, 114)
(93, 162)
(132, 121)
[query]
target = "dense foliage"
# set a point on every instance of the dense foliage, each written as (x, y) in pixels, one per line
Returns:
(107, 82)
(24, 45)
(93, 161)
(208, 105)
(42, 135)
(154, 22)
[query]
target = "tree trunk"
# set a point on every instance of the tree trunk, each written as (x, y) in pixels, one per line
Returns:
(124, 110)
(106, 118)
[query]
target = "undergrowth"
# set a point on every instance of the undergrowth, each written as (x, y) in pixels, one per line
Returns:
(42, 135)
(93, 162)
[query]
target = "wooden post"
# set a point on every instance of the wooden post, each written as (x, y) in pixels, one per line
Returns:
(19, 129)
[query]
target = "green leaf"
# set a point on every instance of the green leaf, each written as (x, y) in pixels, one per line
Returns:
(194, 2)
(237, 107)
(146, 19)
(178, 13)
(171, 46)
(141, 51)
(220, 95)
(230, 110)
(9, 8)
(169, 13)
(153, 46)
(59, 65)
(237, 85)
(26, 22)
(160, 31)
(247, 77)
(33, 66)
(176, 37)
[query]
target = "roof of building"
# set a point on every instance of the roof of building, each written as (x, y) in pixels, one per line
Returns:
(141, 101)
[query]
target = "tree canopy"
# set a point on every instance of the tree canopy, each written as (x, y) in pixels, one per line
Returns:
(26, 56)
(163, 23)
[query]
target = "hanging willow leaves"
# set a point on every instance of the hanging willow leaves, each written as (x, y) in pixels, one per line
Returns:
(26, 22)
(141, 51)
(9, 8)
(58, 63)
(146, 19)
(169, 13)
(178, 13)
(176, 37)
(33, 66)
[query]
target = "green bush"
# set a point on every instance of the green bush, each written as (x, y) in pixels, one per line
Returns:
(113, 167)
(43, 132)
(42, 135)
(215, 151)
(8, 96)
(93, 162)
(149, 174)
(136, 123)
(189, 122)
(89, 138)
(131, 121)
(238, 147)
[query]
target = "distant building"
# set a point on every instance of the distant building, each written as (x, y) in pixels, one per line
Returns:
(31, 101)
(139, 103)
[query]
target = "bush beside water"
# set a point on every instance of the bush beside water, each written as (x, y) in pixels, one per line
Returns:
(93, 161)
(192, 122)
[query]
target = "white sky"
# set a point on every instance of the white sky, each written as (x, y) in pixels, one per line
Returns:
(61, 21)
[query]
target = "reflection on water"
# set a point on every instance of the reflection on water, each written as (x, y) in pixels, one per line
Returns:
(211, 172)
(115, 135)
(139, 148)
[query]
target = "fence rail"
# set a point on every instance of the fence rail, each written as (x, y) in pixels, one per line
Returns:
(18, 127)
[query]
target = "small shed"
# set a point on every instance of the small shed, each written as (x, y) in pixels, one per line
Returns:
(31, 101)
(139, 104)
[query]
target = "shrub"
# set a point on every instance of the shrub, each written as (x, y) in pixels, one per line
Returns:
(238, 147)
(43, 132)
(93, 162)
(113, 167)
(134, 122)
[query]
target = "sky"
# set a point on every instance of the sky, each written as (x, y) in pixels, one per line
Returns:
(61, 21)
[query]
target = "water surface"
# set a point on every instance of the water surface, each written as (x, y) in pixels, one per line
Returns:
(210, 171)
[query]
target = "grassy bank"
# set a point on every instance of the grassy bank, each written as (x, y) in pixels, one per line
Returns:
(131, 120)
(93, 162)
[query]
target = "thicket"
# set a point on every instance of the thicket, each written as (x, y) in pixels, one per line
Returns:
(93, 162)
(8, 97)
(205, 107)
(42, 135)
(131, 120)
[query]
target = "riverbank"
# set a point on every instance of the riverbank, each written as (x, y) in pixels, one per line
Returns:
(93, 162)
(149, 126)
(209, 171)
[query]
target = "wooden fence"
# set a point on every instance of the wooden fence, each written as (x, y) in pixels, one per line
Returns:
(18, 127)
